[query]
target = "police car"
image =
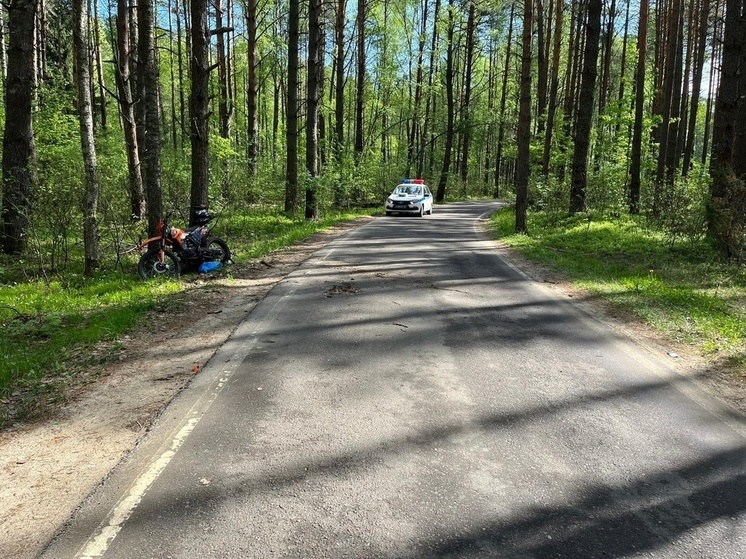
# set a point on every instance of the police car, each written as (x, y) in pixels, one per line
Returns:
(412, 196)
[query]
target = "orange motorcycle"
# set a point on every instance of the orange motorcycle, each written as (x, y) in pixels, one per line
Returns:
(174, 250)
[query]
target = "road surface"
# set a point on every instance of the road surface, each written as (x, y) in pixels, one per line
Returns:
(407, 393)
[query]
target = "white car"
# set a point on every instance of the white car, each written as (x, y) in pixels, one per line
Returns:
(412, 196)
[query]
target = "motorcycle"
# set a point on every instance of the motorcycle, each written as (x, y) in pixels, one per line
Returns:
(173, 250)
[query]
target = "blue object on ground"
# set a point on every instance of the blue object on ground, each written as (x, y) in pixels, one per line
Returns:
(209, 267)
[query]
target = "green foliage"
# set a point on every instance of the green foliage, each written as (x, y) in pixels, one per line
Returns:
(50, 328)
(58, 200)
(683, 216)
(675, 285)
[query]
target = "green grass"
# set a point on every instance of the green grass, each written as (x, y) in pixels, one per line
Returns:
(679, 288)
(50, 327)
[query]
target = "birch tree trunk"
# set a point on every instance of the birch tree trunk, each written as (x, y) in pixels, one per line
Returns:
(3, 50)
(85, 118)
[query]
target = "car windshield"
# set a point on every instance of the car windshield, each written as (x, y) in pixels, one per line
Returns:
(409, 189)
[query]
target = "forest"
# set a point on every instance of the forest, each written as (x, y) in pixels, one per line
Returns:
(117, 112)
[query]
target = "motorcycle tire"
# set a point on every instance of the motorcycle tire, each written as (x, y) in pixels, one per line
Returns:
(151, 266)
(217, 250)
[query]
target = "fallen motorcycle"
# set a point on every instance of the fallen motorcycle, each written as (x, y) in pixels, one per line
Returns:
(174, 250)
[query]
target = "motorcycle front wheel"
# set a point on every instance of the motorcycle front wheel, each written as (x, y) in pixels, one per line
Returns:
(216, 250)
(159, 263)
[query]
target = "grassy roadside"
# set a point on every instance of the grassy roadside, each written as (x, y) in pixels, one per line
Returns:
(678, 287)
(52, 331)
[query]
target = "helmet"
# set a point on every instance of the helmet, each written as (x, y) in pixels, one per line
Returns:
(201, 216)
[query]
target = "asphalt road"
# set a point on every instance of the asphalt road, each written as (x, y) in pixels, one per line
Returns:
(407, 393)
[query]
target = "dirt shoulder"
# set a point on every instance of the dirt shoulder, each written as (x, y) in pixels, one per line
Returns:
(48, 468)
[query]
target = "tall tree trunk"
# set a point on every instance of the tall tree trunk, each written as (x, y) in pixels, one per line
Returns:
(360, 83)
(636, 163)
(450, 105)
(429, 103)
(19, 149)
(339, 85)
(199, 106)
(623, 70)
(491, 90)
(138, 87)
(385, 90)
(313, 87)
(704, 13)
(683, 108)
(3, 50)
(172, 72)
(471, 25)
(543, 37)
(554, 88)
(717, 52)
(291, 184)
(126, 103)
(85, 119)
(414, 139)
(727, 208)
(252, 95)
(577, 16)
(180, 7)
(503, 102)
(672, 154)
(604, 94)
(670, 94)
(585, 111)
(225, 92)
(225, 106)
(40, 43)
(150, 77)
(523, 163)
(98, 48)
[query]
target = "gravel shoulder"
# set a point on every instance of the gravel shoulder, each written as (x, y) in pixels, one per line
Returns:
(48, 468)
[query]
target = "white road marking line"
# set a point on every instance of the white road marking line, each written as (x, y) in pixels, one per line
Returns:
(99, 543)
